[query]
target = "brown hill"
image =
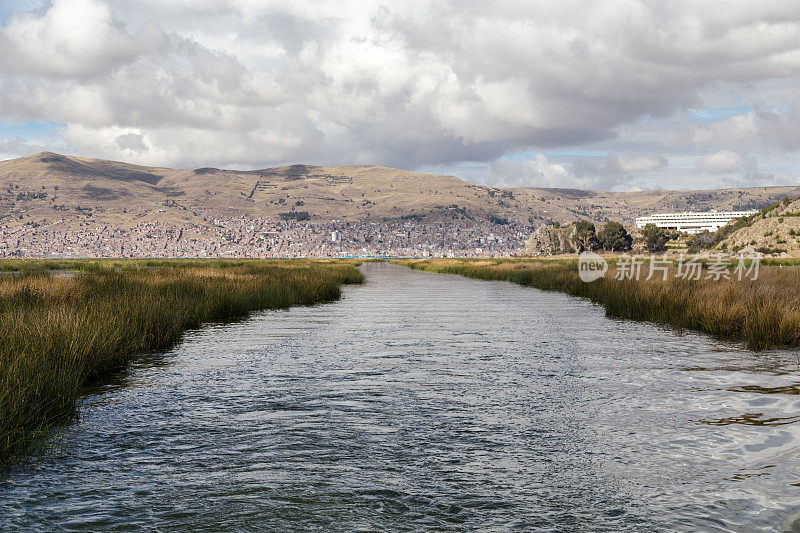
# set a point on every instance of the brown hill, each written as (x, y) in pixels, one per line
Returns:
(775, 230)
(70, 191)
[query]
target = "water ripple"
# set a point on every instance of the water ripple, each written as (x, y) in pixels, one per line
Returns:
(430, 402)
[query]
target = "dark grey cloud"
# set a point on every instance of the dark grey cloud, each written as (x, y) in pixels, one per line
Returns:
(131, 141)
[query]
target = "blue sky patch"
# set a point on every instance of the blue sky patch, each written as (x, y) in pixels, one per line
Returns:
(719, 113)
(9, 7)
(32, 130)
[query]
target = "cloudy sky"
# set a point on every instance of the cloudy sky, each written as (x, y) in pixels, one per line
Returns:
(617, 95)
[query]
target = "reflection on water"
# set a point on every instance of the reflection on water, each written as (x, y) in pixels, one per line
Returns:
(752, 419)
(424, 401)
(794, 389)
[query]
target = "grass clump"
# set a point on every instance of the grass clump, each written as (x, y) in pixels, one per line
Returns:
(58, 333)
(764, 313)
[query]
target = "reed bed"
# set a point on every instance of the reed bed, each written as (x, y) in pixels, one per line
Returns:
(58, 333)
(764, 313)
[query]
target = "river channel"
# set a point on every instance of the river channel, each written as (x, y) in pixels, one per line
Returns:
(429, 402)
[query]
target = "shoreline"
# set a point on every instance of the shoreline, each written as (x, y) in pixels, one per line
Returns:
(762, 313)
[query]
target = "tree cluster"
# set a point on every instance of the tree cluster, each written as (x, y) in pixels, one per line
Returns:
(655, 238)
(578, 237)
(612, 237)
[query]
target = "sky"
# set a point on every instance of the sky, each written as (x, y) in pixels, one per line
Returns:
(612, 95)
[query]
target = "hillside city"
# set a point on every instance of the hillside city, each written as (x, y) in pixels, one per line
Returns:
(267, 238)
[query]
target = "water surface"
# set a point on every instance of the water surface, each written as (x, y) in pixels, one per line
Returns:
(424, 401)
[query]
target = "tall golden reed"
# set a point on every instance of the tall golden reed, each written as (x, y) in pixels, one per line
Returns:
(57, 333)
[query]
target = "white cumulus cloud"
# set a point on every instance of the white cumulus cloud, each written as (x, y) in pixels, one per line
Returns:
(628, 162)
(537, 171)
(73, 38)
(724, 161)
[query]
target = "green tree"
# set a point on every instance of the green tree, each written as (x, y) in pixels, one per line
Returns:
(614, 237)
(702, 241)
(655, 238)
(586, 235)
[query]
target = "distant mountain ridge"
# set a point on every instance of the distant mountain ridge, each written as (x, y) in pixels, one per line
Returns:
(50, 188)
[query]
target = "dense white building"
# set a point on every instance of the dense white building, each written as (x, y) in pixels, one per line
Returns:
(693, 222)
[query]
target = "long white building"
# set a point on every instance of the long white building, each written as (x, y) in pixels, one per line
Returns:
(693, 222)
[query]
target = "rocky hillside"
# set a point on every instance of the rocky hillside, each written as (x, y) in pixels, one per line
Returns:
(774, 231)
(65, 191)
